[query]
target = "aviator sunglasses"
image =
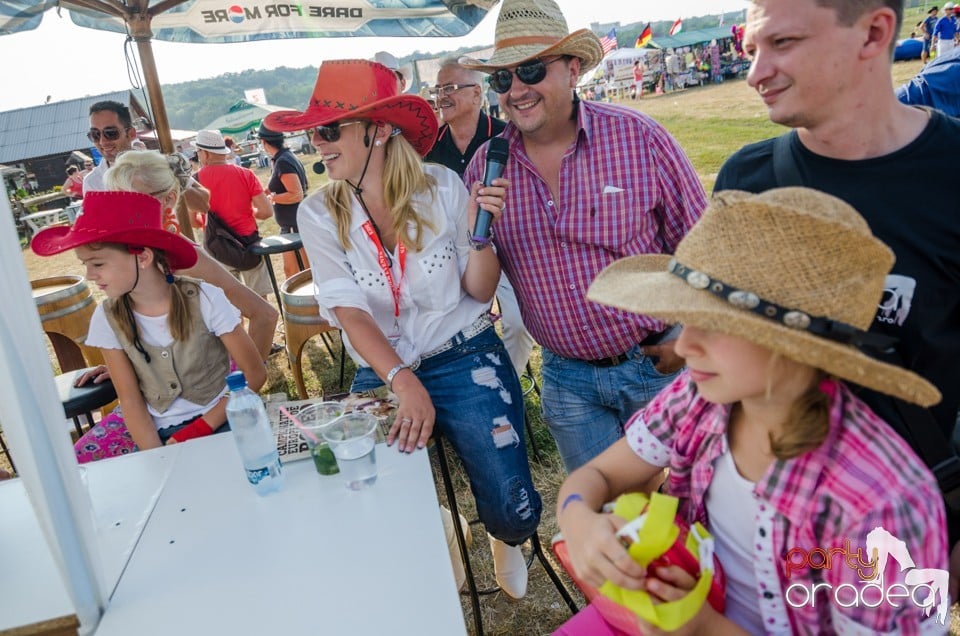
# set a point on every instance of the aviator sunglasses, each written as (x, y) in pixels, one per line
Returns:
(110, 133)
(529, 73)
(330, 133)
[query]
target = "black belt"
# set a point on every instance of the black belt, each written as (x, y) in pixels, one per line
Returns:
(613, 361)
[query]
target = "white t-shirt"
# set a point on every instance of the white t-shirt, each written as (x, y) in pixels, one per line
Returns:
(219, 316)
(433, 305)
(731, 513)
(93, 182)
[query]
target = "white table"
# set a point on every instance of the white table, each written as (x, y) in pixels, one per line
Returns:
(314, 558)
(124, 491)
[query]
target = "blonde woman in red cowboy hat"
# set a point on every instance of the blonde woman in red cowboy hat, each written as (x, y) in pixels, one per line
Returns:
(393, 265)
(766, 444)
(167, 341)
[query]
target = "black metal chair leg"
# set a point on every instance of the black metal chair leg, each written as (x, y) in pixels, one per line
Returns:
(536, 388)
(458, 531)
(537, 549)
(533, 440)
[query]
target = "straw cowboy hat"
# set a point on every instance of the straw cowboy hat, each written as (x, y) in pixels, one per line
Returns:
(793, 270)
(528, 29)
(361, 89)
(129, 218)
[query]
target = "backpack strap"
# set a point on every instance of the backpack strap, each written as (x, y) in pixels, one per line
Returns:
(785, 168)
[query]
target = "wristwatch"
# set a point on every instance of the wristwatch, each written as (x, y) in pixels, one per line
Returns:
(392, 373)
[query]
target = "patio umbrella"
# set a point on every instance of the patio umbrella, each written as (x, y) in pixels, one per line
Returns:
(217, 22)
(30, 412)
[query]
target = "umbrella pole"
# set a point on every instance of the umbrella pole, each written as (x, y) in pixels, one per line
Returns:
(160, 123)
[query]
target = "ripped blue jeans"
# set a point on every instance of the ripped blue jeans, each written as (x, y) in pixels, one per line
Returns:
(479, 406)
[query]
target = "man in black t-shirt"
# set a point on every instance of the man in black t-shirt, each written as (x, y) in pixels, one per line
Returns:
(827, 74)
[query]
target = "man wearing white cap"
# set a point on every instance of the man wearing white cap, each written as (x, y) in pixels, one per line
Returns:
(391, 62)
(590, 183)
(236, 196)
(945, 31)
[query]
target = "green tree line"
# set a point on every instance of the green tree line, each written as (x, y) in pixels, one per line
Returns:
(193, 105)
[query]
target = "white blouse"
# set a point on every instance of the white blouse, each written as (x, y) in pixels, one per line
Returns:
(433, 305)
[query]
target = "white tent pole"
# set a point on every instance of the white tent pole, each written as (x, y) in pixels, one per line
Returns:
(33, 424)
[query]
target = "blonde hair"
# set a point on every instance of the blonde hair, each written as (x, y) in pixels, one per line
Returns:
(178, 319)
(808, 419)
(403, 179)
(143, 171)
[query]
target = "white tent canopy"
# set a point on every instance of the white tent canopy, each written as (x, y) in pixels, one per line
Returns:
(242, 117)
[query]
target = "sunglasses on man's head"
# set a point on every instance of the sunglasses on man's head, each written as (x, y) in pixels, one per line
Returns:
(330, 133)
(110, 133)
(529, 73)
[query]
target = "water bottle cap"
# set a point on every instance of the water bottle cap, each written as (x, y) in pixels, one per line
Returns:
(236, 381)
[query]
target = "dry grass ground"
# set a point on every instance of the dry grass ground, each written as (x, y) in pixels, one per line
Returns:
(710, 123)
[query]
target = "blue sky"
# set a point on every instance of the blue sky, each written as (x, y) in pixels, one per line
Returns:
(89, 62)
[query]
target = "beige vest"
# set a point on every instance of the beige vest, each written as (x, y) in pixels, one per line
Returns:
(194, 369)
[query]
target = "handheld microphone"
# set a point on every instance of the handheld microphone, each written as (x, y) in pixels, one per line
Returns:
(497, 154)
(319, 168)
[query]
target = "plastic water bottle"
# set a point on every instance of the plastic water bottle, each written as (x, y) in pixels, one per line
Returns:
(251, 429)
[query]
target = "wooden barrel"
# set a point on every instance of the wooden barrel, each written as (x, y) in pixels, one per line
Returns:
(302, 321)
(299, 304)
(66, 305)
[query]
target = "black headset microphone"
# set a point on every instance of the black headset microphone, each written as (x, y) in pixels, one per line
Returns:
(319, 168)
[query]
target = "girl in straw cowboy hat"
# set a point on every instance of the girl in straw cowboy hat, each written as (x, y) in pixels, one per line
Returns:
(167, 341)
(394, 268)
(765, 443)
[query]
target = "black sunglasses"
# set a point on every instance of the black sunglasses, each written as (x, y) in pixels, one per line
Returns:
(330, 133)
(529, 73)
(110, 133)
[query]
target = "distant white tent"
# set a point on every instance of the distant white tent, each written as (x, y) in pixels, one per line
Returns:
(242, 117)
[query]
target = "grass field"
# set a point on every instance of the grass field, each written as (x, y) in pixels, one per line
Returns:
(710, 123)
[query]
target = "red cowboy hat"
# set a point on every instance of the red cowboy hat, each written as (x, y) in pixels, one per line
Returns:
(361, 89)
(129, 218)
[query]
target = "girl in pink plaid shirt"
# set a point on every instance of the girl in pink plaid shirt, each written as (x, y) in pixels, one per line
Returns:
(823, 518)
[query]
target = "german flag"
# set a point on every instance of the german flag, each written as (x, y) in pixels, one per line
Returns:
(644, 37)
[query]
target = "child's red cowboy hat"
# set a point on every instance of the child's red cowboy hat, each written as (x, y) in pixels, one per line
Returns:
(129, 218)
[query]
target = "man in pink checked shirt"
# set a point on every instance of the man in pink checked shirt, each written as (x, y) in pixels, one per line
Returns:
(590, 183)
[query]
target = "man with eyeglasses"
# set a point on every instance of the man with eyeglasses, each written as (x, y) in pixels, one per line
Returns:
(590, 184)
(111, 132)
(459, 96)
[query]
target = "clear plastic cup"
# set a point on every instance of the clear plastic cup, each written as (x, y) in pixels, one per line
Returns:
(353, 439)
(314, 418)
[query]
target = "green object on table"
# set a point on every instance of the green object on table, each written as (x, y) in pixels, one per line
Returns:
(324, 460)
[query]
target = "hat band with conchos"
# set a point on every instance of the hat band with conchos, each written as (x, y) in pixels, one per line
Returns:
(794, 318)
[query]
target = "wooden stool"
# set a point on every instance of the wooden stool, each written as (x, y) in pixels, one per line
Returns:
(302, 321)
(66, 306)
(83, 400)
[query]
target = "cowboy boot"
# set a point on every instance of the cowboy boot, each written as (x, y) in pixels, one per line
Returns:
(459, 575)
(509, 567)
